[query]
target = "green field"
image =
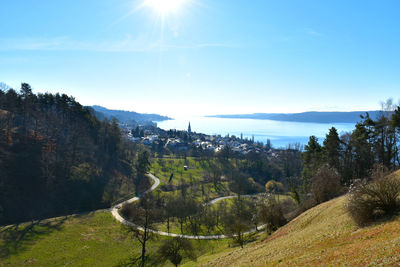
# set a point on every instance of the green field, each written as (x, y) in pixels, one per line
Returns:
(195, 178)
(94, 239)
(164, 167)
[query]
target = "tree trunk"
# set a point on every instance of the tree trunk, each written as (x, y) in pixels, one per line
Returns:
(144, 247)
(181, 222)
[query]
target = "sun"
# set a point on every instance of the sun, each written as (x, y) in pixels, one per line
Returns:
(164, 7)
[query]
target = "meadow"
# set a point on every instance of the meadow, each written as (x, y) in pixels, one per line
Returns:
(93, 239)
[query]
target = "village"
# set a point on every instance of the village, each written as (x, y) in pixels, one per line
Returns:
(184, 141)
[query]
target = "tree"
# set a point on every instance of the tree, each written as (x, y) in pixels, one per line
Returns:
(237, 220)
(169, 210)
(384, 135)
(175, 250)
(136, 132)
(210, 217)
(395, 124)
(331, 149)
(145, 214)
(347, 159)
(142, 167)
(183, 208)
(273, 187)
(270, 213)
(325, 184)
(238, 229)
(362, 153)
(239, 183)
(311, 160)
(143, 163)
(291, 160)
(214, 172)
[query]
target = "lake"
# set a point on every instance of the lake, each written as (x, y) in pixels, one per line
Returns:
(281, 133)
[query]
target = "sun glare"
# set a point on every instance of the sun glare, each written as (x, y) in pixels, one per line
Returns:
(164, 7)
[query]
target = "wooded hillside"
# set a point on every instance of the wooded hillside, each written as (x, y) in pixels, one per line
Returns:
(56, 157)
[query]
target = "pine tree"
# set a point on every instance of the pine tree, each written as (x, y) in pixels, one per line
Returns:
(312, 160)
(331, 149)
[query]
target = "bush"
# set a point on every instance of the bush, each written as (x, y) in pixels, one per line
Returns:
(369, 201)
(305, 204)
(325, 184)
(288, 207)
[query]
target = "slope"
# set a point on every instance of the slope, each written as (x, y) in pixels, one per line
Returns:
(323, 235)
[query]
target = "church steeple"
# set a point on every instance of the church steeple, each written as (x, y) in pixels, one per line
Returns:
(189, 129)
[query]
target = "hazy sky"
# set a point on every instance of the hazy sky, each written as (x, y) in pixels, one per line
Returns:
(205, 56)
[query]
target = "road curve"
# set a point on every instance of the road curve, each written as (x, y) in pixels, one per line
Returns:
(154, 186)
(215, 200)
(118, 217)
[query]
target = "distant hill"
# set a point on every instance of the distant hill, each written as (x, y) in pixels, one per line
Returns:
(311, 116)
(128, 116)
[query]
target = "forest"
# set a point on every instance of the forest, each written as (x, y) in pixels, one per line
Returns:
(57, 158)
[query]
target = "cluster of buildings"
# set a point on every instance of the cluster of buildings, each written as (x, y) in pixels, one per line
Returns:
(187, 140)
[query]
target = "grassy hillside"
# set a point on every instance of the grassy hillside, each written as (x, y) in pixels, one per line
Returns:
(324, 235)
(93, 239)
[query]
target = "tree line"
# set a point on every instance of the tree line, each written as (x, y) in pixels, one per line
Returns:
(341, 160)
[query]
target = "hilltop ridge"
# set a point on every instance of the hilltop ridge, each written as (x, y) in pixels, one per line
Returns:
(310, 116)
(128, 116)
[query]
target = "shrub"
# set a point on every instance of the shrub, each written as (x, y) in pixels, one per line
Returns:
(325, 184)
(288, 207)
(305, 204)
(369, 201)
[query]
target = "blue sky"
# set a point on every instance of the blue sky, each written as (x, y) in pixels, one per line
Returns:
(207, 56)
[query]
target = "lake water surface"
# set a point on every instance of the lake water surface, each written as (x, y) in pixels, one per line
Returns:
(281, 133)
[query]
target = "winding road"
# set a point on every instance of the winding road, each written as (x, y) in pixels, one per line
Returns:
(118, 217)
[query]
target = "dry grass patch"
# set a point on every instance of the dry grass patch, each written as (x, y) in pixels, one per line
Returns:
(324, 235)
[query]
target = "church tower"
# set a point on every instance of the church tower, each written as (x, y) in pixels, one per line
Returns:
(189, 129)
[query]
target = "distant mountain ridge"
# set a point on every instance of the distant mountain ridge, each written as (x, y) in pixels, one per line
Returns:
(128, 116)
(310, 116)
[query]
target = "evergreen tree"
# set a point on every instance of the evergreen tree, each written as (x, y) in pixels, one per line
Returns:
(312, 160)
(363, 158)
(331, 149)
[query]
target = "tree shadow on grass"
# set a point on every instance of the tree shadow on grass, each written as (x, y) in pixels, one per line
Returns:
(17, 238)
(381, 220)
